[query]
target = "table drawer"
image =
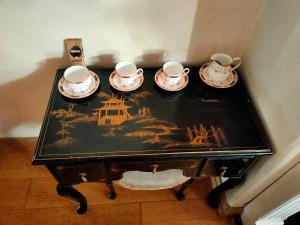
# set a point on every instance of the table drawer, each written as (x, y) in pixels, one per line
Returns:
(79, 174)
(226, 167)
(189, 167)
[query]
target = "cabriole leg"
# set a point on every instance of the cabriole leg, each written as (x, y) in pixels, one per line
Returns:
(180, 195)
(112, 194)
(69, 192)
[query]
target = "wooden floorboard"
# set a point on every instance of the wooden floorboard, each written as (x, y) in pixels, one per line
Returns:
(176, 212)
(118, 214)
(13, 193)
(15, 159)
(28, 197)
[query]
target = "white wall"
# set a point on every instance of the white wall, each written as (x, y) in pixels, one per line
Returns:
(271, 66)
(147, 32)
(274, 197)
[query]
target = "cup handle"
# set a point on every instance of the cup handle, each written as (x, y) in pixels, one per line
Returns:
(140, 72)
(239, 60)
(186, 71)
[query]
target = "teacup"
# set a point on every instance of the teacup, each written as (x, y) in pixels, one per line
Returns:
(77, 78)
(174, 72)
(220, 68)
(128, 72)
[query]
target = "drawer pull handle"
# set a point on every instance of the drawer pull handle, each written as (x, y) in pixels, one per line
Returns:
(223, 170)
(83, 177)
(154, 168)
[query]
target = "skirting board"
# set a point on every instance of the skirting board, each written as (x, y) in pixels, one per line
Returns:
(224, 209)
(278, 215)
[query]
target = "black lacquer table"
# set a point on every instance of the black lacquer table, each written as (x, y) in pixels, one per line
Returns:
(201, 130)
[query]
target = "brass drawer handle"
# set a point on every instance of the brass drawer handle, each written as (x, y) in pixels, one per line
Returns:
(83, 177)
(154, 168)
(223, 170)
(59, 167)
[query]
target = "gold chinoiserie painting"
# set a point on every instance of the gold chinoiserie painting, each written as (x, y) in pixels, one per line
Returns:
(117, 117)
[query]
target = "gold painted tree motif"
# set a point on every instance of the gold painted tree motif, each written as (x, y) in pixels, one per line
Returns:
(197, 136)
(218, 135)
(67, 113)
(201, 136)
(64, 133)
(68, 119)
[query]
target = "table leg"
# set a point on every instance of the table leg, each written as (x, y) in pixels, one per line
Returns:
(180, 195)
(70, 192)
(112, 194)
(214, 196)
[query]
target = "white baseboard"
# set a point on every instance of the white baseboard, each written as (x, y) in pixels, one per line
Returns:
(278, 215)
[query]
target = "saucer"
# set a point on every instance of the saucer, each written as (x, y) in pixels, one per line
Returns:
(116, 82)
(161, 81)
(229, 82)
(67, 92)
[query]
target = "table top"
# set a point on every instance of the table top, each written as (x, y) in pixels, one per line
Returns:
(150, 122)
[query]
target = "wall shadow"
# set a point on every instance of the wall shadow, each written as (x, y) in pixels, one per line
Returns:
(107, 59)
(24, 101)
(152, 58)
(149, 58)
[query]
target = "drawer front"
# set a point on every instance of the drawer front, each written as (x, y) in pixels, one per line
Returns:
(79, 174)
(226, 167)
(189, 167)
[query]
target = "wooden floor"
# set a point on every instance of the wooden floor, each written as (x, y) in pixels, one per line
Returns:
(28, 196)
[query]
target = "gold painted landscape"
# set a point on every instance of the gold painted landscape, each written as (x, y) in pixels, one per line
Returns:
(114, 118)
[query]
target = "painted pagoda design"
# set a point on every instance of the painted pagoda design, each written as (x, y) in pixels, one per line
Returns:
(114, 112)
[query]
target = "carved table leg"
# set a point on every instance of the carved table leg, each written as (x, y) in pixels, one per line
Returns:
(214, 196)
(70, 192)
(180, 195)
(112, 194)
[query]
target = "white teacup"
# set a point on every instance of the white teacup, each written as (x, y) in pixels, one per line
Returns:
(174, 71)
(128, 72)
(220, 68)
(77, 78)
